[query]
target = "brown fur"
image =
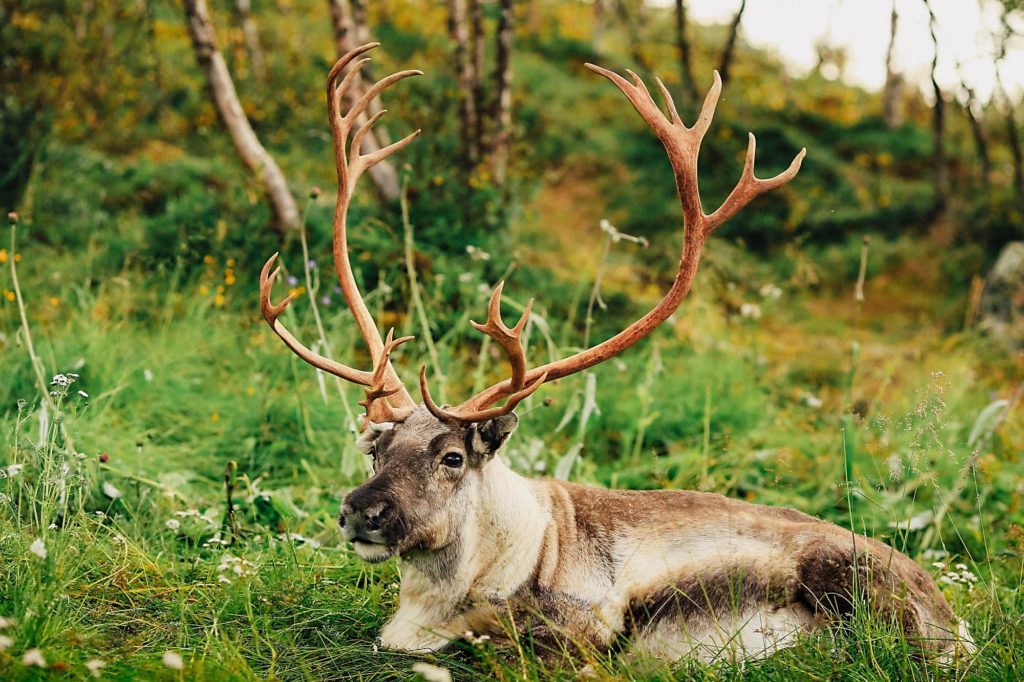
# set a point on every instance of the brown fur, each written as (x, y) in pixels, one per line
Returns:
(485, 549)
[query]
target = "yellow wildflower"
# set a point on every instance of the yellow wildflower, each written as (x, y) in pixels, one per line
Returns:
(215, 417)
(250, 391)
(218, 300)
(203, 290)
(231, 262)
(208, 259)
(3, 255)
(54, 301)
(9, 295)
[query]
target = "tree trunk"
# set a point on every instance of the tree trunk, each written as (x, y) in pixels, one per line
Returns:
(892, 96)
(478, 39)
(225, 98)
(1013, 138)
(349, 34)
(503, 92)
(252, 39)
(633, 19)
(977, 131)
(980, 143)
(360, 24)
(459, 32)
(683, 43)
(938, 122)
(730, 44)
(600, 24)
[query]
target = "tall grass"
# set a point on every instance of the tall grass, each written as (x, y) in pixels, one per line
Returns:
(117, 544)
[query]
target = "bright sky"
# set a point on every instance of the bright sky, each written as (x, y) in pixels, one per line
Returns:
(792, 27)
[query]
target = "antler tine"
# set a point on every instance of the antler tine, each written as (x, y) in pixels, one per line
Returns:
(374, 91)
(750, 187)
(508, 339)
(461, 415)
(271, 312)
(377, 408)
(682, 145)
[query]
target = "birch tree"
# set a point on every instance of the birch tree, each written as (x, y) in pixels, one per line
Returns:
(348, 19)
(458, 29)
(725, 63)
(503, 92)
(225, 98)
(251, 34)
(892, 95)
(685, 60)
(939, 172)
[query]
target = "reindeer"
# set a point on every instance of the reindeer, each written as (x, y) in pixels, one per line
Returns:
(677, 573)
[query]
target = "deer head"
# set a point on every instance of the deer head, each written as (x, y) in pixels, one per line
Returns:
(429, 461)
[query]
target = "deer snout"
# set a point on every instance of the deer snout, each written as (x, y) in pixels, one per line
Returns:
(364, 517)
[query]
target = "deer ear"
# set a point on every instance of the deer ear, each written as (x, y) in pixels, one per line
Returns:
(487, 437)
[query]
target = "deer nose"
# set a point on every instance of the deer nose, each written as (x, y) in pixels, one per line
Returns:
(372, 518)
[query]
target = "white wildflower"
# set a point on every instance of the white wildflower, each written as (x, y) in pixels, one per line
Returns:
(432, 673)
(232, 564)
(147, 374)
(33, 657)
(15, 469)
(5, 642)
(94, 665)
(118, 539)
(111, 491)
(60, 380)
(751, 311)
(811, 400)
(173, 660)
(770, 292)
(38, 547)
(475, 640)
(173, 524)
(476, 253)
(83, 394)
(466, 277)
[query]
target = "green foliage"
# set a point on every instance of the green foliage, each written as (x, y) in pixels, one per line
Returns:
(139, 247)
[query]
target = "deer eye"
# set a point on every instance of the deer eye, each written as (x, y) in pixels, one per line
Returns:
(452, 459)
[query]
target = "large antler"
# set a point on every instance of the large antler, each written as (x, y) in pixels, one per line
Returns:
(682, 144)
(383, 404)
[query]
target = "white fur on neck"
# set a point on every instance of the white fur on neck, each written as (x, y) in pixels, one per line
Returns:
(500, 543)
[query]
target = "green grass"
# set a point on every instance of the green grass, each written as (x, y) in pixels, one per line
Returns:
(183, 379)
